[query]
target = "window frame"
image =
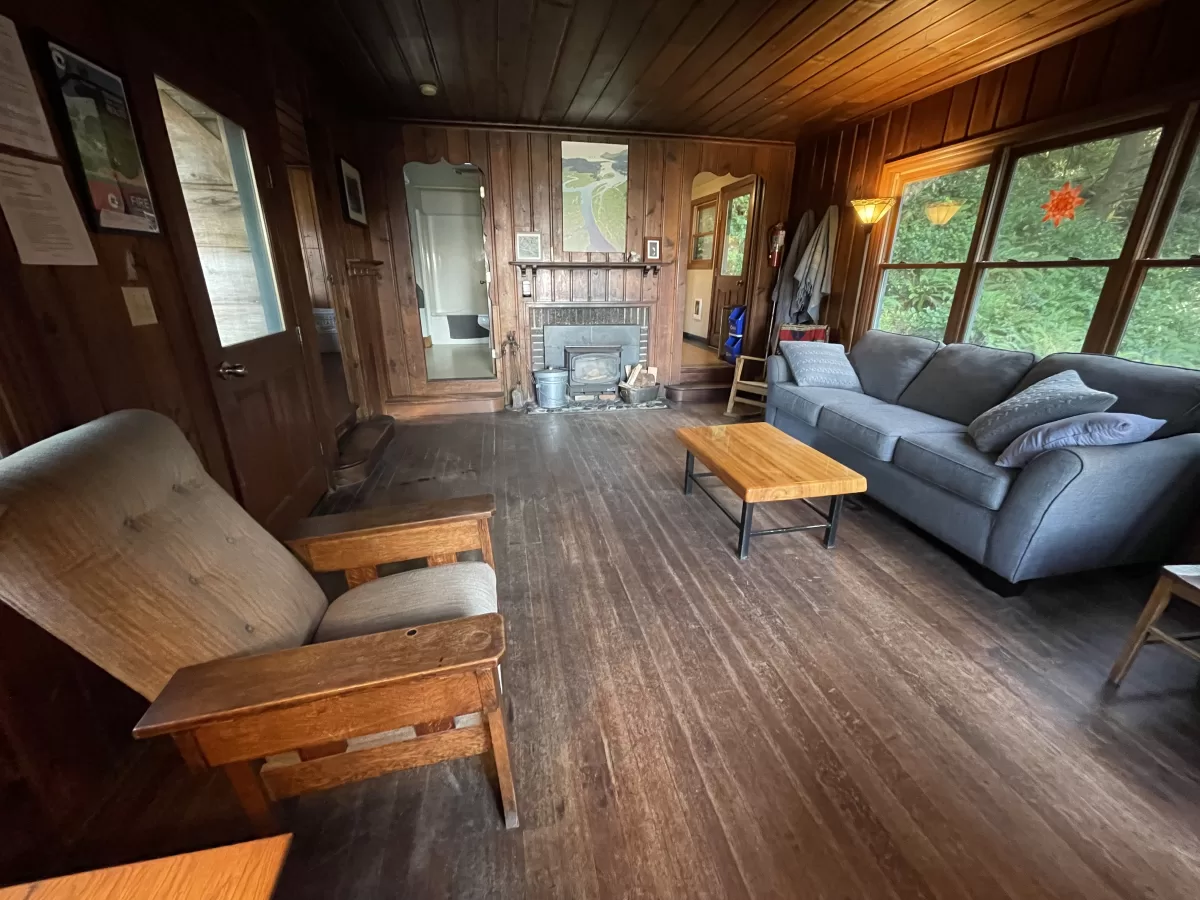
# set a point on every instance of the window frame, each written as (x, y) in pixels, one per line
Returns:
(713, 200)
(1180, 138)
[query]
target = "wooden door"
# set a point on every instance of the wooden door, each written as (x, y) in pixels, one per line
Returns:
(731, 256)
(243, 301)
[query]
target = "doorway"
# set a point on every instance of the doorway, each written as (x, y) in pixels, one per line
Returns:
(722, 223)
(342, 408)
(248, 332)
(450, 267)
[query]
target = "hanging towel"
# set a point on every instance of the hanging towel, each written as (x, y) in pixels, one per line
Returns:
(785, 285)
(813, 273)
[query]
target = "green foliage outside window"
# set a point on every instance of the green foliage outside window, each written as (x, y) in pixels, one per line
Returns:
(1049, 309)
(734, 259)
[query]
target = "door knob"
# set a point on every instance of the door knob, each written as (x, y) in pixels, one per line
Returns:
(229, 370)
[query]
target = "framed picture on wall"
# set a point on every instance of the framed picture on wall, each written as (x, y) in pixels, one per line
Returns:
(353, 206)
(528, 246)
(653, 249)
(94, 116)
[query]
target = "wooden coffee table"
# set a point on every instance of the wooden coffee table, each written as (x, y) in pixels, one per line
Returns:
(761, 464)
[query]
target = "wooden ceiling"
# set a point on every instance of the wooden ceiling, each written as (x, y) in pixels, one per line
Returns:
(741, 68)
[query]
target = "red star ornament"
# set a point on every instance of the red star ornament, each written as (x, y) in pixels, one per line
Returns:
(1063, 204)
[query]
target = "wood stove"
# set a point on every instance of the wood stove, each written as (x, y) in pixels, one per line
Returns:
(593, 368)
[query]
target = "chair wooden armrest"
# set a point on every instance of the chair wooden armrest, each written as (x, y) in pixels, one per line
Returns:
(358, 542)
(317, 699)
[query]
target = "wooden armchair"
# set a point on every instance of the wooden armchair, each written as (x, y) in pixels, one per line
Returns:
(115, 540)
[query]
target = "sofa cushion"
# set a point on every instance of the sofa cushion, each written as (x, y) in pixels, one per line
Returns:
(1160, 392)
(416, 597)
(805, 403)
(874, 429)
(1091, 430)
(1049, 400)
(820, 365)
(887, 363)
(952, 462)
(964, 380)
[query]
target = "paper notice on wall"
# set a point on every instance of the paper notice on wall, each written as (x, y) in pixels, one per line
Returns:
(41, 213)
(22, 118)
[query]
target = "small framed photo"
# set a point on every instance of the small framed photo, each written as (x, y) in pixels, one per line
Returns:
(352, 193)
(97, 126)
(529, 246)
(653, 249)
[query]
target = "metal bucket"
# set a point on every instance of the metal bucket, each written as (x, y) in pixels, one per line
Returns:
(551, 388)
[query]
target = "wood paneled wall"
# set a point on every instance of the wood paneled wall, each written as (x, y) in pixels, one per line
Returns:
(522, 173)
(1134, 57)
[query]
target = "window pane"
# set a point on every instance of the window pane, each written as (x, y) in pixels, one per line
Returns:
(1043, 310)
(706, 219)
(703, 247)
(937, 217)
(212, 157)
(734, 258)
(1163, 327)
(1075, 202)
(1182, 239)
(917, 301)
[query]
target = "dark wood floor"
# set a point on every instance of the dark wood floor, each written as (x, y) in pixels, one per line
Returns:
(862, 723)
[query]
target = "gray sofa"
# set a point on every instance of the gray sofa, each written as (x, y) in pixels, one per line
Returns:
(1067, 511)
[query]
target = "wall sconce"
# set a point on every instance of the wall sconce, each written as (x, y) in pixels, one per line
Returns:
(941, 213)
(871, 211)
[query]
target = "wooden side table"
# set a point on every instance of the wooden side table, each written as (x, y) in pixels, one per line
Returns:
(238, 872)
(1174, 581)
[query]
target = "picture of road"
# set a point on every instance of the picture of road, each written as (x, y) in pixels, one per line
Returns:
(595, 185)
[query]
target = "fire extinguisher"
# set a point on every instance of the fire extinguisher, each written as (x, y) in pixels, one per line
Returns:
(778, 238)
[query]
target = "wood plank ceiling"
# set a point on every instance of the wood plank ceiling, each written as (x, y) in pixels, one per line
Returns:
(739, 68)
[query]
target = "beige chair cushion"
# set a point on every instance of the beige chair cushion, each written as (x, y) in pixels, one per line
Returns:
(411, 598)
(115, 540)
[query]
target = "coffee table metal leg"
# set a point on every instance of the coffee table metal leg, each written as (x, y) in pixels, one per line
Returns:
(835, 513)
(744, 530)
(687, 472)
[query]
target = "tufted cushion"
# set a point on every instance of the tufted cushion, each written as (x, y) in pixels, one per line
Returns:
(1048, 400)
(817, 364)
(417, 597)
(115, 540)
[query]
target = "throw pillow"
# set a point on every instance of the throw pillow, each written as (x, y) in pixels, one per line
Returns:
(820, 365)
(1089, 430)
(1049, 400)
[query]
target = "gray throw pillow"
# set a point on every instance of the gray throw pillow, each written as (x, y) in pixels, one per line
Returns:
(1049, 400)
(1090, 430)
(817, 364)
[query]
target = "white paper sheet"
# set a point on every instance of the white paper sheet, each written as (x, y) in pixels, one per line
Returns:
(22, 119)
(41, 213)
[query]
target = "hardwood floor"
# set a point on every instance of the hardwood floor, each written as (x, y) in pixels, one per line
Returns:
(862, 723)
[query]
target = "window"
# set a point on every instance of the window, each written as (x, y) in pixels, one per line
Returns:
(1164, 326)
(704, 226)
(212, 157)
(929, 248)
(1035, 249)
(737, 218)
(1071, 205)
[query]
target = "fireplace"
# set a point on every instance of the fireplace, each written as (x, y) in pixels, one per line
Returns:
(593, 368)
(594, 355)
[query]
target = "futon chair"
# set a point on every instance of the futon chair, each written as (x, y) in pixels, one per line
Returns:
(115, 540)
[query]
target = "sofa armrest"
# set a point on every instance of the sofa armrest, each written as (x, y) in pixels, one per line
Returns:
(777, 370)
(1091, 507)
(373, 537)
